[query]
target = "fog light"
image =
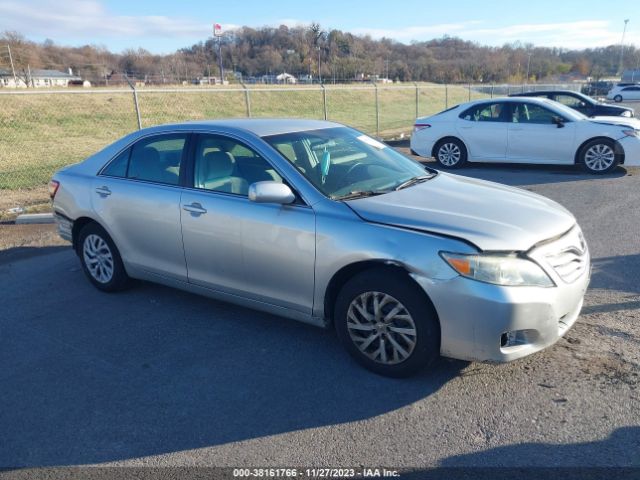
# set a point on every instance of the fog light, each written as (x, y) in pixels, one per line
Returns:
(514, 338)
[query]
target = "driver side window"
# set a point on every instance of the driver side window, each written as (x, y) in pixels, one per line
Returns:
(223, 164)
(570, 101)
(531, 113)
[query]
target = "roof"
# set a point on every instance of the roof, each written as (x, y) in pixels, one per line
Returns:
(261, 127)
(547, 92)
(538, 100)
(41, 73)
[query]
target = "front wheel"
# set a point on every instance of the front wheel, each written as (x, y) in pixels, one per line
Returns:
(599, 156)
(450, 153)
(617, 98)
(387, 323)
(100, 259)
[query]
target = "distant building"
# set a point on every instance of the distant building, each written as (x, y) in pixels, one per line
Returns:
(631, 76)
(37, 79)
(286, 78)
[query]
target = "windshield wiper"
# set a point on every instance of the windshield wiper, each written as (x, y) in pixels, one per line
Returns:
(359, 194)
(414, 180)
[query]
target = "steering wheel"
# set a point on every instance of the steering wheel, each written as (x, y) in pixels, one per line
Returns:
(343, 180)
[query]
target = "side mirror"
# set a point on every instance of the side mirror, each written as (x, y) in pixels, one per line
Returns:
(271, 192)
(559, 121)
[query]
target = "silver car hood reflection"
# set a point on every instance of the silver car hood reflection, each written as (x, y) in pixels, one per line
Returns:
(489, 215)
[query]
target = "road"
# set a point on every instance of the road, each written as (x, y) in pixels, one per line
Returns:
(158, 377)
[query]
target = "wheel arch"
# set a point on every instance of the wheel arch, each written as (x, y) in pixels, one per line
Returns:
(619, 149)
(449, 137)
(79, 223)
(342, 276)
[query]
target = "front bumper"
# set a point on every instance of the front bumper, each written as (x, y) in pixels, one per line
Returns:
(631, 146)
(474, 316)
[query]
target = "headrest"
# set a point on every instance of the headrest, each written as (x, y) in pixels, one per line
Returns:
(217, 164)
(145, 164)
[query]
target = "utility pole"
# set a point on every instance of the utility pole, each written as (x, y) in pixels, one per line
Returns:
(528, 65)
(319, 74)
(217, 32)
(13, 69)
(624, 30)
(220, 59)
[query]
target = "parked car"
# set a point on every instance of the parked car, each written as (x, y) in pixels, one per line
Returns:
(318, 222)
(622, 92)
(583, 104)
(526, 130)
(599, 88)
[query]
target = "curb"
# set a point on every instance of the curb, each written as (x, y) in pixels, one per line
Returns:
(34, 218)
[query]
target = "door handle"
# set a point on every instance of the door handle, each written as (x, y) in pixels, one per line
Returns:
(103, 191)
(516, 129)
(194, 208)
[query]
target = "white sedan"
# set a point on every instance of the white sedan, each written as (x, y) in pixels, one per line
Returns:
(526, 130)
(624, 92)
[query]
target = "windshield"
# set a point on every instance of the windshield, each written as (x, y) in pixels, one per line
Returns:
(342, 162)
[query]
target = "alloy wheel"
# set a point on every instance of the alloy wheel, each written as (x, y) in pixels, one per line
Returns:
(449, 154)
(599, 157)
(98, 258)
(381, 328)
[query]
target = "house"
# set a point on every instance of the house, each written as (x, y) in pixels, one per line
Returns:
(36, 78)
(286, 78)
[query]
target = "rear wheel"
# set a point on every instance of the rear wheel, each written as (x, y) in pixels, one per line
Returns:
(450, 153)
(599, 156)
(100, 259)
(387, 323)
(617, 98)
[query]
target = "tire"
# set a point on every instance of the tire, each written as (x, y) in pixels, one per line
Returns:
(106, 272)
(450, 153)
(617, 98)
(599, 156)
(414, 313)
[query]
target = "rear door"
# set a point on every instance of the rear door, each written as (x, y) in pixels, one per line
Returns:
(534, 138)
(137, 199)
(483, 128)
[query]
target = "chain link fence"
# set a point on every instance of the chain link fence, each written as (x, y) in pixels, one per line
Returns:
(41, 131)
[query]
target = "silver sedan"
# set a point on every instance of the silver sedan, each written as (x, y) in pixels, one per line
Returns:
(320, 223)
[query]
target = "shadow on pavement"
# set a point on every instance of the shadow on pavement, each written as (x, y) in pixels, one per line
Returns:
(619, 273)
(154, 370)
(622, 447)
(20, 253)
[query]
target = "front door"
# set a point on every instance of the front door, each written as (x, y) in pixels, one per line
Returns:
(535, 138)
(265, 252)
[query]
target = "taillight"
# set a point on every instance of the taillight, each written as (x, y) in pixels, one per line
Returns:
(420, 126)
(53, 188)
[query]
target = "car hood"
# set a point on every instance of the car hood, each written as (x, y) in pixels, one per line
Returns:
(489, 215)
(621, 121)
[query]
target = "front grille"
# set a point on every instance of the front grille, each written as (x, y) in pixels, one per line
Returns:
(569, 256)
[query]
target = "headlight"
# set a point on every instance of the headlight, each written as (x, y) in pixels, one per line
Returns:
(631, 133)
(499, 269)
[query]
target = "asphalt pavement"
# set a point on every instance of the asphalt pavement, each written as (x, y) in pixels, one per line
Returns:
(157, 377)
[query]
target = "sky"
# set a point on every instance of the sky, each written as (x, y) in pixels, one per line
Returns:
(162, 26)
